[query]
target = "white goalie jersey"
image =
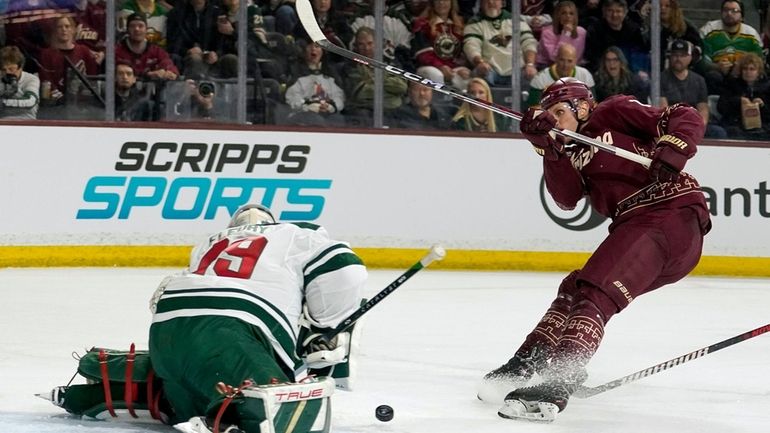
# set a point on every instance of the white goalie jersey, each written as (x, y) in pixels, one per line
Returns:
(263, 274)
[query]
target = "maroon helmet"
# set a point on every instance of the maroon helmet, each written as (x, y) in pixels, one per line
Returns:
(566, 89)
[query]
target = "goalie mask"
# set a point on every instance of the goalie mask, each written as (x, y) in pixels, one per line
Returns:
(569, 90)
(251, 214)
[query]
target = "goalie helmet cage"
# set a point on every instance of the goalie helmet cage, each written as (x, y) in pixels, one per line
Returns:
(307, 18)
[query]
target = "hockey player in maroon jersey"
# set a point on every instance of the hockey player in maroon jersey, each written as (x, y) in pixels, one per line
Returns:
(659, 217)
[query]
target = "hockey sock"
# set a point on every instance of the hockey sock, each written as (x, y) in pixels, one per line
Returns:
(541, 342)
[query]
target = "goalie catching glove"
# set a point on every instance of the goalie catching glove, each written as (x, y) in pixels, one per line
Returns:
(318, 352)
(537, 126)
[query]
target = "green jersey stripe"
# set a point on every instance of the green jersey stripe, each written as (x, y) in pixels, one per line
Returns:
(286, 354)
(332, 249)
(223, 305)
(202, 301)
(333, 264)
(226, 291)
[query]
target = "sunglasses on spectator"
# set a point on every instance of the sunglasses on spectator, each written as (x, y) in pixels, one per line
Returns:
(732, 10)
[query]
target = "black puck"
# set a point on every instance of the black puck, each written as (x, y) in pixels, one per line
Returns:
(384, 413)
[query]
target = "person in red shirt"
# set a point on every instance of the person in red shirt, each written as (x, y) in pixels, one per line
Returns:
(62, 52)
(659, 218)
(147, 59)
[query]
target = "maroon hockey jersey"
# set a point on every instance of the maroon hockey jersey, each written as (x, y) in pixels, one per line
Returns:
(619, 188)
(53, 66)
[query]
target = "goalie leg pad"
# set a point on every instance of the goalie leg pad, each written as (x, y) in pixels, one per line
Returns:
(285, 408)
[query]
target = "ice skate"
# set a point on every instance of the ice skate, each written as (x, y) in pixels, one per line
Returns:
(55, 396)
(199, 424)
(514, 374)
(539, 403)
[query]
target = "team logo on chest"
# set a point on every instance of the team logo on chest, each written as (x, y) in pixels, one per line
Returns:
(582, 154)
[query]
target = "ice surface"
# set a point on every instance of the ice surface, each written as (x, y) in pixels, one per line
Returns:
(423, 351)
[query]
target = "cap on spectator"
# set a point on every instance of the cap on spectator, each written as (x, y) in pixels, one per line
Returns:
(136, 16)
(680, 46)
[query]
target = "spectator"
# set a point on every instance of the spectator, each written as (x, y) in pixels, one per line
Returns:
(333, 25)
(397, 40)
(438, 44)
(256, 47)
(407, 11)
(315, 96)
(727, 39)
(536, 13)
(359, 83)
(470, 117)
(487, 44)
(155, 13)
(62, 52)
(615, 29)
(19, 97)
(201, 99)
(26, 25)
(678, 84)
(673, 25)
(91, 15)
(419, 112)
(147, 60)
(195, 40)
(614, 77)
(563, 30)
(750, 86)
(130, 104)
(286, 18)
(564, 66)
(639, 11)
(589, 12)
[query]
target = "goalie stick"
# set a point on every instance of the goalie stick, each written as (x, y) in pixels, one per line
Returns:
(586, 392)
(307, 18)
(436, 253)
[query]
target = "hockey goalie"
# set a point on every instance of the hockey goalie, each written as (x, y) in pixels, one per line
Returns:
(234, 343)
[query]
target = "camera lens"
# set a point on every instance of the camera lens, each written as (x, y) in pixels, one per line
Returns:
(206, 88)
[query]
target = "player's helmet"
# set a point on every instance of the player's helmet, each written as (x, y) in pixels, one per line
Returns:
(251, 214)
(566, 89)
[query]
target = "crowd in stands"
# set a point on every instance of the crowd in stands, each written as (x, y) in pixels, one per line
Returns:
(178, 60)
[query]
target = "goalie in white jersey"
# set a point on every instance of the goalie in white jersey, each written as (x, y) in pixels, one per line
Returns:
(247, 309)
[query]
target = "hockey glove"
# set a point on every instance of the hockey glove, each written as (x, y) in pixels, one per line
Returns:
(667, 162)
(537, 126)
(318, 352)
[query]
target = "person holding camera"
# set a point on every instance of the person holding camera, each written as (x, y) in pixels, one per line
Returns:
(201, 98)
(19, 90)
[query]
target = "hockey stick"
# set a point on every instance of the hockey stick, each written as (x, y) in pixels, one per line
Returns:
(585, 391)
(307, 18)
(436, 253)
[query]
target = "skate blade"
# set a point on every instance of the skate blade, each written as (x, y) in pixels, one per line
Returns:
(541, 412)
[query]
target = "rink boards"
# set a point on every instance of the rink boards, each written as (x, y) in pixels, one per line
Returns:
(77, 196)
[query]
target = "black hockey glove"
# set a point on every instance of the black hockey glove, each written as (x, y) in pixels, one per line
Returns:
(536, 125)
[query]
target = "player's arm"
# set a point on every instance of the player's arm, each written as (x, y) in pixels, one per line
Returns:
(563, 180)
(677, 131)
(334, 281)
